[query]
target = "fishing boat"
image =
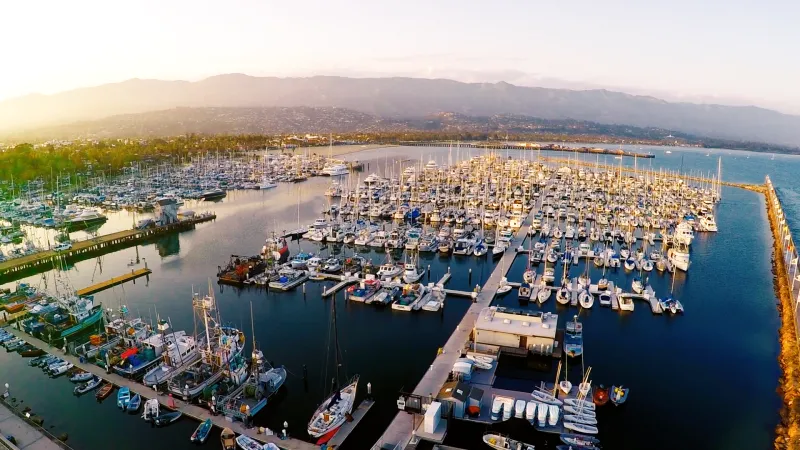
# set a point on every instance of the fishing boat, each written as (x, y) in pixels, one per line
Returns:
(289, 278)
(167, 418)
(262, 382)
(74, 315)
(178, 350)
(220, 354)
(411, 298)
(501, 442)
(389, 270)
(619, 395)
(104, 392)
(363, 291)
(201, 433)
(334, 410)
(151, 410)
(123, 397)
(412, 272)
(228, 439)
(134, 404)
(435, 300)
(87, 386)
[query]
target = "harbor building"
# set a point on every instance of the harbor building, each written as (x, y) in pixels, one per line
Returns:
(507, 329)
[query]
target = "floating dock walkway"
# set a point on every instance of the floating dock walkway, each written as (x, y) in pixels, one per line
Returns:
(399, 432)
(103, 285)
(14, 269)
(27, 436)
(188, 409)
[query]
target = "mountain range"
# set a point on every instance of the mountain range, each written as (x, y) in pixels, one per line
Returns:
(399, 99)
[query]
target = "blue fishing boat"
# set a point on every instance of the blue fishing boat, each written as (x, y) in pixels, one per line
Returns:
(133, 404)
(201, 433)
(123, 397)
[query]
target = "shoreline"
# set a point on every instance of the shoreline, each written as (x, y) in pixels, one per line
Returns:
(338, 150)
(787, 432)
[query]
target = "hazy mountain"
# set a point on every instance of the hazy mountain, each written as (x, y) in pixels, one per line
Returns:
(402, 98)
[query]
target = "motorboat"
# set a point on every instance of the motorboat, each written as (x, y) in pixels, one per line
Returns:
(504, 287)
(288, 279)
(363, 291)
(552, 415)
(412, 273)
(625, 302)
(151, 410)
(530, 410)
(562, 296)
(605, 298)
(81, 377)
(389, 270)
(500, 442)
(248, 443)
(543, 294)
(619, 395)
(201, 433)
(578, 440)
(61, 370)
(435, 300)
(90, 385)
(167, 418)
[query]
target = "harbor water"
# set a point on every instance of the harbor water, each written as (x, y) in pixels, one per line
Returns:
(705, 379)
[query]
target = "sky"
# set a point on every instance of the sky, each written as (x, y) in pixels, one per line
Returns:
(731, 52)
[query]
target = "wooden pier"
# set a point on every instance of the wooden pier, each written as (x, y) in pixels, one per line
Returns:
(16, 268)
(333, 290)
(188, 409)
(103, 285)
(399, 432)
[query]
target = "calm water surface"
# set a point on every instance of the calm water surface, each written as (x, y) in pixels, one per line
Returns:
(706, 379)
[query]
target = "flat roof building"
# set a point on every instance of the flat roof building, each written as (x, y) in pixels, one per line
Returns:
(499, 327)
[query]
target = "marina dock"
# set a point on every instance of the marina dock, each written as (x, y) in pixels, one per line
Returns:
(188, 409)
(103, 285)
(399, 431)
(27, 436)
(14, 269)
(358, 414)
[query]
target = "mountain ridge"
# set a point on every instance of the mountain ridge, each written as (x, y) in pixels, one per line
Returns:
(400, 98)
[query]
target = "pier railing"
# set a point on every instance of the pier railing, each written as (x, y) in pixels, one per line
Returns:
(789, 251)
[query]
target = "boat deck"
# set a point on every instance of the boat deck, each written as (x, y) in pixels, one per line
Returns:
(188, 409)
(103, 285)
(398, 433)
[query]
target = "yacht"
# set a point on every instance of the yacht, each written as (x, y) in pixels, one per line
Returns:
(335, 169)
(679, 256)
(707, 223)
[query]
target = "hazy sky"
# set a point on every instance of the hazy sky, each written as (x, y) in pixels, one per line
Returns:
(728, 51)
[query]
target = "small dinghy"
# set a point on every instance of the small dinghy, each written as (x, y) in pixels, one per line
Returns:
(565, 386)
(133, 404)
(81, 377)
(562, 296)
(248, 443)
(228, 439)
(569, 409)
(579, 440)
(501, 442)
(86, 387)
(123, 397)
(619, 395)
(580, 428)
(580, 418)
(573, 447)
(201, 433)
(104, 392)
(481, 362)
(585, 404)
(167, 418)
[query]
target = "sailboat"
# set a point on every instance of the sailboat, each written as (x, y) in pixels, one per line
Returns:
(332, 413)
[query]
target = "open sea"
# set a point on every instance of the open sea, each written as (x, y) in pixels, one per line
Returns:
(706, 379)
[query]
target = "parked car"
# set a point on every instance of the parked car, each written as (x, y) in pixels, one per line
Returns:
(62, 247)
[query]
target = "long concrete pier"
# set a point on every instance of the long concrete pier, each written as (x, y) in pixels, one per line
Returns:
(191, 410)
(16, 268)
(399, 432)
(27, 436)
